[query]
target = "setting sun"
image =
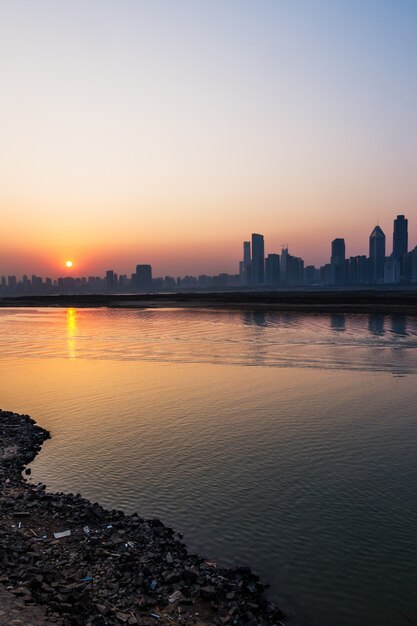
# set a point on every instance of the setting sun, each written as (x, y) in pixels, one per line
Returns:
(68, 263)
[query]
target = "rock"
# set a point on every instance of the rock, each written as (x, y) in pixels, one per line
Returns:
(103, 573)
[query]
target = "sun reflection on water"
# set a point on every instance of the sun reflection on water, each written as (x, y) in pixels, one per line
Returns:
(71, 317)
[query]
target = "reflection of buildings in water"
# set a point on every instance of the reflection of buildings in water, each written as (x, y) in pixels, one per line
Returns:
(71, 317)
(338, 322)
(399, 325)
(376, 325)
(256, 318)
(256, 349)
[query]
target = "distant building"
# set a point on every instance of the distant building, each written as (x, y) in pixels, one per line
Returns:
(400, 243)
(272, 270)
(110, 280)
(311, 275)
(338, 261)
(392, 271)
(377, 255)
(143, 277)
(258, 260)
(338, 252)
(400, 237)
(245, 265)
(284, 266)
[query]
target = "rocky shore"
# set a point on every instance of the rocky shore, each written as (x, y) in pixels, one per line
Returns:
(67, 561)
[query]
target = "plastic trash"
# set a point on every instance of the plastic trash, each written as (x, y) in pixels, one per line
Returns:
(174, 596)
(153, 585)
(155, 615)
(86, 529)
(64, 533)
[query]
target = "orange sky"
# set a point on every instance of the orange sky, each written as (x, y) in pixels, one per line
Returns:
(156, 134)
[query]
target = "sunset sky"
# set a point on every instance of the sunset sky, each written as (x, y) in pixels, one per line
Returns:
(166, 132)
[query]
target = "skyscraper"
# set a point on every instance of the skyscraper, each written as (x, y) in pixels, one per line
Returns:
(377, 255)
(258, 260)
(143, 277)
(272, 270)
(244, 266)
(338, 252)
(400, 237)
(246, 253)
(338, 261)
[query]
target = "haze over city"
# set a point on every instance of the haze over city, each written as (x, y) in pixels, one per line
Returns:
(167, 132)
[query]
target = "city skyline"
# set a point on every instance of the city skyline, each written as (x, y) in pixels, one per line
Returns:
(169, 131)
(257, 269)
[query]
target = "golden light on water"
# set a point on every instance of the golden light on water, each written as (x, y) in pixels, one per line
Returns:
(71, 317)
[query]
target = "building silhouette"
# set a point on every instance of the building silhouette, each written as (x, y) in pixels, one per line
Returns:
(338, 252)
(258, 260)
(400, 237)
(338, 262)
(272, 273)
(142, 279)
(377, 255)
(245, 265)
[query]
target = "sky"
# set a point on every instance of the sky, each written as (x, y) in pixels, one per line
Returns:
(166, 132)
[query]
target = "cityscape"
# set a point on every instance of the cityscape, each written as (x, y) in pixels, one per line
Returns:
(256, 271)
(208, 313)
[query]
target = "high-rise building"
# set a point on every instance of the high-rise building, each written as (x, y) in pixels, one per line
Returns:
(258, 260)
(272, 270)
(244, 266)
(377, 255)
(109, 280)
(143, 277)
(338, 261)
(400, 237)
(284, 265)
(246, 252)
(338, 252)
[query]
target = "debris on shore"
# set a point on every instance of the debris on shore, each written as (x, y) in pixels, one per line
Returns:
(82, 565)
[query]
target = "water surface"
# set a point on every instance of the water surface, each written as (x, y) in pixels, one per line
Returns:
(283, 441)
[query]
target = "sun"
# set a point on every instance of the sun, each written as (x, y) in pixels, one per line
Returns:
(68, 263)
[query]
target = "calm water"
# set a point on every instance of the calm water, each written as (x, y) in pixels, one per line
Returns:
(283, 441)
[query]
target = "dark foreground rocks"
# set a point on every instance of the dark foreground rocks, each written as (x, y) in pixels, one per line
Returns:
(68, 561)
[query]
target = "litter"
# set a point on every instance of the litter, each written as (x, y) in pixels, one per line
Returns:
(175, 596)
(155, 615)
(88, 579)
(64, 533)
(86, 529)
(153, 585)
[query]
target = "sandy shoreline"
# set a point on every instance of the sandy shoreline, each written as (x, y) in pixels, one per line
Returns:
(67, 561)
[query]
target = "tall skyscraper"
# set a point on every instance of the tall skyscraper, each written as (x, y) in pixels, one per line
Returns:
(143, 277)
(272, 270)
(284, 265)
(338, 261)
(258, 260)
(244, 266)
(338, 252)
(400, 237)
(246, 253)
(109, 280)
(377, 255)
